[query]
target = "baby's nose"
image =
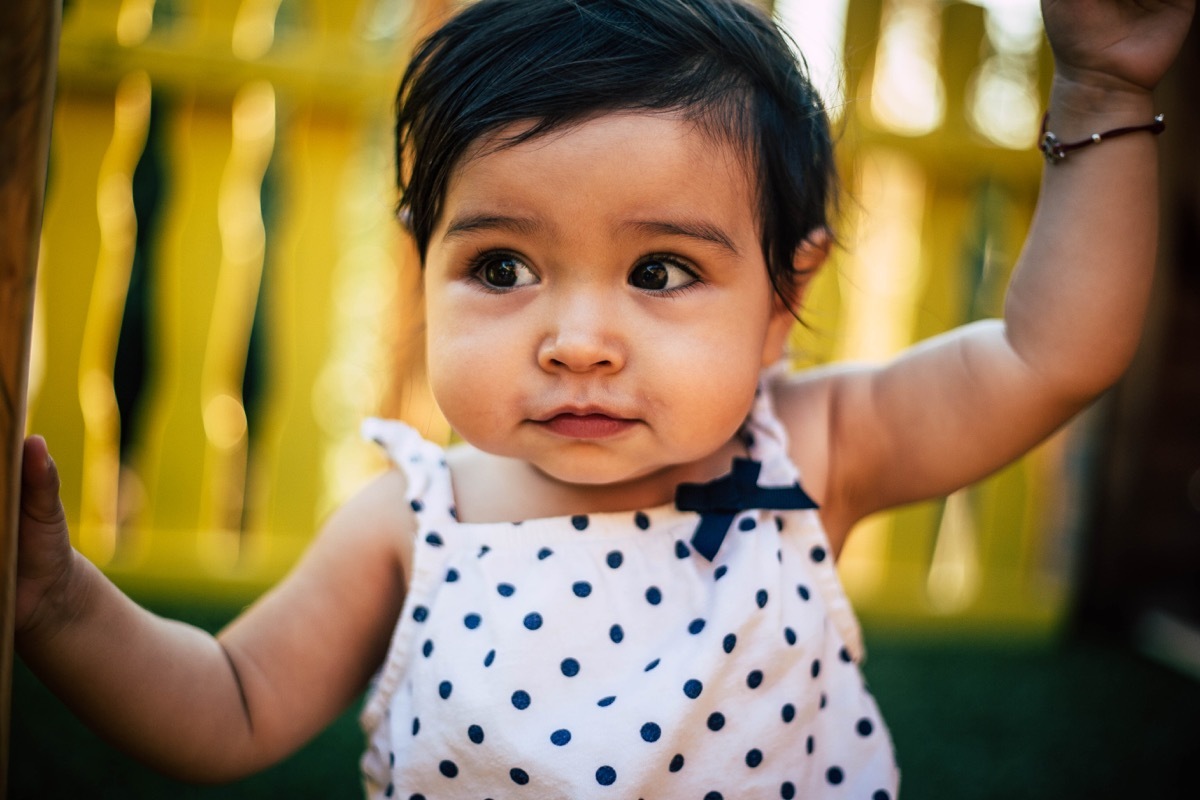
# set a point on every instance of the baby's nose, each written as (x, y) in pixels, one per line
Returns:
(583, 336)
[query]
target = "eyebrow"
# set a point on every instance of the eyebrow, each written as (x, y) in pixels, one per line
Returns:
(471, 223)
(692, 229)
(698, 230)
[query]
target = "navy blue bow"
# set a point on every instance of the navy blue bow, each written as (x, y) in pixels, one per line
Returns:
(719, 501)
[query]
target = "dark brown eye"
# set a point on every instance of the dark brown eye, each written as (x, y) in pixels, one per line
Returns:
(660, 274)
(505, 272)
(651, 276)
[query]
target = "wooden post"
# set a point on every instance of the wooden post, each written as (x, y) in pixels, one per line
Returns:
(28, 60)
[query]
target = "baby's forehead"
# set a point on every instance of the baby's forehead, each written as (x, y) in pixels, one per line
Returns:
(711, 139)
(619, 172)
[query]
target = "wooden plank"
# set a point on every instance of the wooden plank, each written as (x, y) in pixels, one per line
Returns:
(28, 54)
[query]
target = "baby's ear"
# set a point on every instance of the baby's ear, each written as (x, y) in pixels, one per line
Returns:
(807, 261)
(810, 255)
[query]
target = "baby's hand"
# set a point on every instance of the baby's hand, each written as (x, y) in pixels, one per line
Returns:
(1121, 45)
(44, 554)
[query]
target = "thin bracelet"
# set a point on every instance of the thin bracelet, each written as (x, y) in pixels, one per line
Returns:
(1056, 151)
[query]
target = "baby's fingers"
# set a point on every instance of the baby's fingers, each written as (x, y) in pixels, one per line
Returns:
(41, 509)
(44, 555)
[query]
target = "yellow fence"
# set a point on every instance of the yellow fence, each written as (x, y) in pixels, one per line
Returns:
(224, 295)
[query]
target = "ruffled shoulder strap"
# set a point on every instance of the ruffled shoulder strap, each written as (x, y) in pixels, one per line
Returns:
(767, 440)
(423, 463)
(430, 495)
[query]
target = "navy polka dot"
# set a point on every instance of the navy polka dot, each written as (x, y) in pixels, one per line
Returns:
(729, 642)
(451, 575)
(681, 549)
(693, 688)
(641, 520)
(606, 776)
(580, 521)
(581, 588)
(519, 776)
(472, 621)
(605, 702)
(881, 795)
(653, 595)
(720, 572)
(716, 721)
(754, 758)
(533, 621)
(434, 540)
(569, 667)
(391, 790)
(802, 590)
(445, 688)
(651, 732)
(788, 713)
(823, 699)
(714, 796)
(420, 613)
(505, 589)
(787, 791)
(475, 734)
(560, 737)
(483, 551)
(416, 505)
(676, 763)
(747, 524)
(453, 512)
(695, 626)
(844, 655)
(614, 559)
(817, 554)
(816, 667)
(448, 768)
(834, 775)
(760, 598)
(779, 523)
(520, 699)
(489, 658)
(651, 665)
(864, 727)
(754, 679)
(544, 553)
(416, 725)
(616, 634)
(427, 648)
(789, 635)
(810, 744)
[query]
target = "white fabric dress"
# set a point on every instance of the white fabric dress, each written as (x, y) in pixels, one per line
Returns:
(603, 656)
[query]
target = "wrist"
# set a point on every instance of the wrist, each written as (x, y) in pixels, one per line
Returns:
(61, 604)
(1080, 106)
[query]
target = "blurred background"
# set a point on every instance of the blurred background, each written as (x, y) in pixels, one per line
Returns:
(224, 294)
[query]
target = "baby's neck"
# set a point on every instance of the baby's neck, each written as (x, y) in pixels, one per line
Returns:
(490, 488)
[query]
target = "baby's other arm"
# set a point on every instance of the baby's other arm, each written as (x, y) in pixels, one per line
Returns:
(198, 707)
(955, 408)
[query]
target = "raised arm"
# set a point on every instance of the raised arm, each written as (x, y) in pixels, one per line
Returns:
(193, 706)
(959, 406)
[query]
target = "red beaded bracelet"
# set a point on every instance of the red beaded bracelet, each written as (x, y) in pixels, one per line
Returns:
(1056, 151)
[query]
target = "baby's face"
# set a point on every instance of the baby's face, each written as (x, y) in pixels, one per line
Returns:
(597, 300)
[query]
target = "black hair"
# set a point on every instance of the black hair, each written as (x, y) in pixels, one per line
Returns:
(722, 64)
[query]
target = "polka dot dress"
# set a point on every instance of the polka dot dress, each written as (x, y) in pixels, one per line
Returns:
(601, 656)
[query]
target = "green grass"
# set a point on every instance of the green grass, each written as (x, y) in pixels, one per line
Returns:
(1084, 718)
